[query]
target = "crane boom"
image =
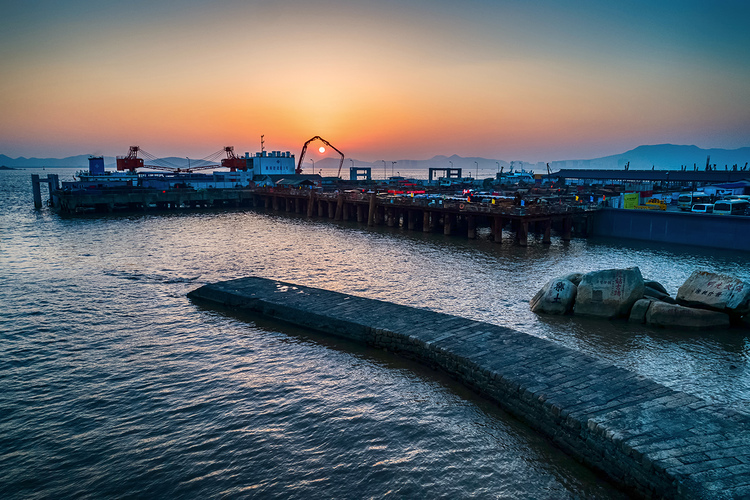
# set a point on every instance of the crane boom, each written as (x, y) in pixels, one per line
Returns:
(304, 150)
(131, 162)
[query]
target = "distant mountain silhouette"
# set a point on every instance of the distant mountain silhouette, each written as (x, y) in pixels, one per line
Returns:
(660, 156)
(70, 161)
(663, 157)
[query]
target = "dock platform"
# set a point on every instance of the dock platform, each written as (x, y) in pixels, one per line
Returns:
(448, 216)
(654, 441)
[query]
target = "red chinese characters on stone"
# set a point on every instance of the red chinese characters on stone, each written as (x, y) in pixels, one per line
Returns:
(720, 286)
(618, 285)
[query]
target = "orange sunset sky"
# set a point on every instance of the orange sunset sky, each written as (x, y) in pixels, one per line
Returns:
(535, 81)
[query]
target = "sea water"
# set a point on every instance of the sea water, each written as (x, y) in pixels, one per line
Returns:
(114, 384)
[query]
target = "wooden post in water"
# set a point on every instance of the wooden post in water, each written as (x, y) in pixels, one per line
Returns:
(448, 223)
(37, 190)
(523, 233)
(390, 216)
(426, 221)
(339, 207)
(547, 232)
(311, 204)
(497, 229)
(347, 208)
(380, 215)
(567, 228)
(411, 216)
(371, 213)
(360, 213)
(53, 183)
(472, 223)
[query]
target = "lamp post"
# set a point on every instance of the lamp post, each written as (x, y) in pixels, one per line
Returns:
(392, 164)
(477, 164)
(385, 172)
(313, 167)
(188, 159)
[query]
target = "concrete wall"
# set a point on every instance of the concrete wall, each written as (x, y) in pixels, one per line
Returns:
(654, 441)
(716, 231)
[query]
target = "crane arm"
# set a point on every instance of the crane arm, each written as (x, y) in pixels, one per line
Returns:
(304, 150)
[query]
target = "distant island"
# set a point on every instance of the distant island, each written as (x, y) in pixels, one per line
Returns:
(3, 167)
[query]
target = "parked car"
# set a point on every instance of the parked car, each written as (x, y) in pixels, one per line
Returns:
(703, 208)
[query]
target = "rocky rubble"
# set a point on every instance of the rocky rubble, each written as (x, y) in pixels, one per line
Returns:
(706, 300)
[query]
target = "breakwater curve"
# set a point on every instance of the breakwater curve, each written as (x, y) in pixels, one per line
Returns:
(653, 440)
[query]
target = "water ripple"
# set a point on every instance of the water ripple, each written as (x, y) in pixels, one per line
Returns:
(113, 384)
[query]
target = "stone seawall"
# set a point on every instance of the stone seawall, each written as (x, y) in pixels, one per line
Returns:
(730, 232)
(652, 440)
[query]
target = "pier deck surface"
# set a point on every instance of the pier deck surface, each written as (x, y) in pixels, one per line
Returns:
(651, 439)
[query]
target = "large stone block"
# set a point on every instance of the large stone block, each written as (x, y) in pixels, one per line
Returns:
(575, 278)
(638, 311)
(676, 316)
(556, 297)
(715, 291)
(656, 286)
(657, 294)
(609, 293)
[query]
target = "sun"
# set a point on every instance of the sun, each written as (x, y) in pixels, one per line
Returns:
(322, 149)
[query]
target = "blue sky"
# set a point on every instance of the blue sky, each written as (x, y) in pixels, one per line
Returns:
(537, 81)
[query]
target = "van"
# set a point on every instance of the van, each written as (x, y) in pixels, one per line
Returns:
(731, 207)
(703, 208)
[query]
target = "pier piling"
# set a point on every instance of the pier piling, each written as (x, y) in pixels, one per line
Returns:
(371, 212)
(53, 183)
(471, 227)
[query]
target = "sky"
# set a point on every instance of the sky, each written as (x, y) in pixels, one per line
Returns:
(409, 79)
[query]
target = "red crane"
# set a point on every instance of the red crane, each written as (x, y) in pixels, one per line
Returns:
(304, 149)
(131, 162)
(232, 161)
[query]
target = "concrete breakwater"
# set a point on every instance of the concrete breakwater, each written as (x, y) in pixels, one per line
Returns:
(653, 440)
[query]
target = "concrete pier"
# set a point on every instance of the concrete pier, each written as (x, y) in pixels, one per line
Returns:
(143, 200)
(652, 440)
(451, 217)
